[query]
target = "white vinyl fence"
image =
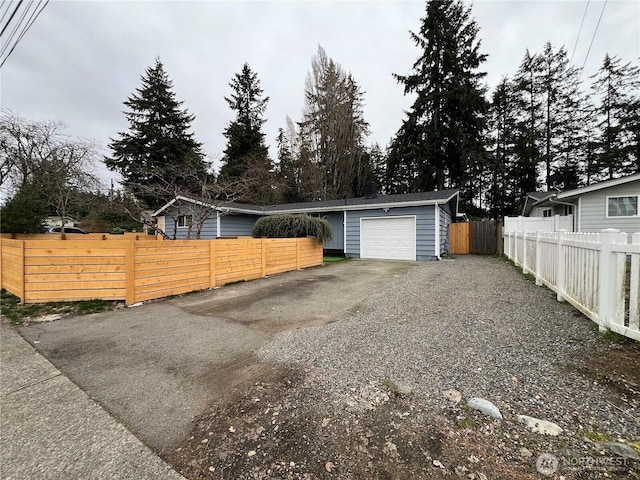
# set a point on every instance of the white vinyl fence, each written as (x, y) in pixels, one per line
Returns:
(533, 224)
(598, 273)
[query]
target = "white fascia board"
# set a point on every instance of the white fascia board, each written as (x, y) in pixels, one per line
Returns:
(599, 186)
(340, 208)
(184, 199)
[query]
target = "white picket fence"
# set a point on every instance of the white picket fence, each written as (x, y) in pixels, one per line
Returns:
(598, 273)
(533, 224)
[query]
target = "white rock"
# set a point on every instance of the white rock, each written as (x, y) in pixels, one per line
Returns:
(47, 318)
(454, 395)
(133, 305)
(485, 406)
(540, 426)
(438, 463)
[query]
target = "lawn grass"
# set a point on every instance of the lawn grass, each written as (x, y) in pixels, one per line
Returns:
(17, 313)
(334, 259)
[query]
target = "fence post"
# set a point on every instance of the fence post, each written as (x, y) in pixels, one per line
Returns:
(263, 260)
(130, 269)
(525, 266)
(611, 295)
(634, 287)
(23, 294)
(538, 259)
(297, 254)
(560, 262)
(212, 264)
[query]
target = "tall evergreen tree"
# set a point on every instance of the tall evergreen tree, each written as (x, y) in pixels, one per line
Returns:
(504, 189)
(527, 147)
(443, 134)
(617, 85)
(334, 128)
(158, 157)
(245, 139)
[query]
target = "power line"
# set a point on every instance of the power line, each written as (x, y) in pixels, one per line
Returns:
(15, 10)
(579, 31)
(17, 27)
(34, 15)
(593, 37)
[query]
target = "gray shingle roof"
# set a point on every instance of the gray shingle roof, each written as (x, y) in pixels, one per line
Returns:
(427, 197)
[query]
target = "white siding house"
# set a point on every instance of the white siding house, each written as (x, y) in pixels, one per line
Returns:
(609, 204)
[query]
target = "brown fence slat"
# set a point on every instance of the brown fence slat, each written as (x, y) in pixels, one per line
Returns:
(45, 268)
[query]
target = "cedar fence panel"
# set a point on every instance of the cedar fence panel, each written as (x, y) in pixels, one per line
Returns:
(135, 267)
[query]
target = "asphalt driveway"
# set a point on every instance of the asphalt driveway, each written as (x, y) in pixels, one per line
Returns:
(158, 366)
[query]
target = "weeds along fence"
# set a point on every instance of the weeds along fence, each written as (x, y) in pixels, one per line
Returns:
(598, 273)
(135, 268)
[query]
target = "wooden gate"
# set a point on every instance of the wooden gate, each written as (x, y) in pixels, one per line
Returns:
(459, 238)
(478, 238)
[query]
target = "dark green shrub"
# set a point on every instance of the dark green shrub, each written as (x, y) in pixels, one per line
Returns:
(292, 226)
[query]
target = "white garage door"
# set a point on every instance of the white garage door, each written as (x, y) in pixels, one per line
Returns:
(392, 238)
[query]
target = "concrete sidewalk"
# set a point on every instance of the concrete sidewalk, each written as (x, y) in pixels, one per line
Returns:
(51, 429)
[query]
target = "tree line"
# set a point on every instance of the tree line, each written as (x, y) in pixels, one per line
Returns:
(544, 119)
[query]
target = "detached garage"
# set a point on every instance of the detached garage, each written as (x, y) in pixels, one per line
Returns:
(412, 226)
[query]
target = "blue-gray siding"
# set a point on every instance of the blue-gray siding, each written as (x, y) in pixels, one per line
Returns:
(445, 220)
(237, 225)
(208, 229)
(425, 229)
(336, 220)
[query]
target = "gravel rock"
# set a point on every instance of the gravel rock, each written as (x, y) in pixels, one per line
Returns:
(540, 426)
(485, 406)
(473, 324)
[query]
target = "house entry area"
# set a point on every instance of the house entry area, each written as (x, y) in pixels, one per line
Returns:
(388, 238)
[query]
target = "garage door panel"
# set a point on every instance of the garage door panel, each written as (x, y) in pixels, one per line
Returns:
(392, 238)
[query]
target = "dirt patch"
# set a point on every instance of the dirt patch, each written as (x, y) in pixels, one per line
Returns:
(294, 426)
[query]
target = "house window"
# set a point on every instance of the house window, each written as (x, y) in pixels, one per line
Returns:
(185, 221)
(547, 212)
(568, 209)
(622, 206)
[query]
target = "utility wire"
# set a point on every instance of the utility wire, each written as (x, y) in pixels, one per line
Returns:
(15, 10)
(34, 15)
(579, 31)
(17, 27)
(593, 37)
(6, 10)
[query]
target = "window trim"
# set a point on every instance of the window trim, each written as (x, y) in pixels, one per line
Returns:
(184, 216)
(606, 207)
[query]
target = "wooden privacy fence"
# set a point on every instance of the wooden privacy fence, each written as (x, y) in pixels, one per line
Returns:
(478, 238)
(591, 271)
(134, 268)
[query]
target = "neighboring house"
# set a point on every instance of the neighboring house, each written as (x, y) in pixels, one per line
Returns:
(609, 204)
(411, 226)
(56, 221)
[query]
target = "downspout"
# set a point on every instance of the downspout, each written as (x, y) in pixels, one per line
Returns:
(218, 223)
(344, 229)
(437, 232)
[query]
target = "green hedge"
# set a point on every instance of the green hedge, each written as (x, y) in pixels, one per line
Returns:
(292, 226)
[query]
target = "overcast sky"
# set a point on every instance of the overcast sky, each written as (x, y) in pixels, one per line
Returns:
(81, 60)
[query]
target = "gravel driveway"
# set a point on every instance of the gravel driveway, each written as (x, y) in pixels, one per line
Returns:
(473, 324)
